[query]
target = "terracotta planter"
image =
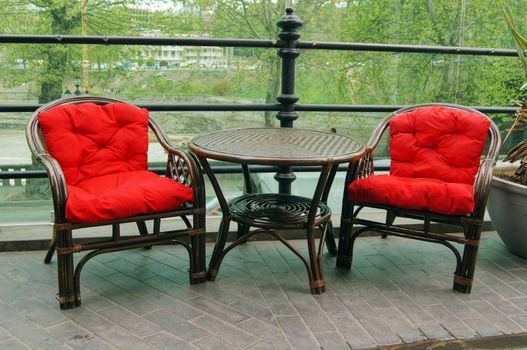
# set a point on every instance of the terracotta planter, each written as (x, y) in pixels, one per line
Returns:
(507, 207)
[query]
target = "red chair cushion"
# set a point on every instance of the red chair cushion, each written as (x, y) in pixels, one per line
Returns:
(120, 195)
(102, 150)
(413, 193)
(437, 142)
(90, 140)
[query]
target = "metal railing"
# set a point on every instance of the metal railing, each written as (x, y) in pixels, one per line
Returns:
(288, 47)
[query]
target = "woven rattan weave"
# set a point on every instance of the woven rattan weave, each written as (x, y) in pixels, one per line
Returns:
(268, 209)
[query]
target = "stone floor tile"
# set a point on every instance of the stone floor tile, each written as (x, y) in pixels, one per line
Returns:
(40, 313)
(351, 330)
(3, 335)
(371, 321)
(182, 309)
(225, 331)
(88, 319)
(261, 299)
(167, 341)
(501, 321)
(177, 326)
(297, 333)
(171, 288)
(270, 334)
(400, 324)
(130, 321)
(411, 309)
(213, 343)
(222, 311)
(434, 330)
(31, 334)
(78, 337)
(453, 324)
(278, 301)
(331, 341)
(13, 344)
(122, 339)
(483, 327)
(255, 310)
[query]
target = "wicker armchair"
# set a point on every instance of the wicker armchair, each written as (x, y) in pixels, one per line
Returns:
(437, 174)
(94, 152)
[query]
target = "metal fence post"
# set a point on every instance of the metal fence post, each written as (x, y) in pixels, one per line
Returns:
(288, 35)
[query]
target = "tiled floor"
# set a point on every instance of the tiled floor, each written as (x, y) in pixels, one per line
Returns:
(397, 292)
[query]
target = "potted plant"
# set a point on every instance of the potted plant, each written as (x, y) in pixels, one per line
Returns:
(507, 203)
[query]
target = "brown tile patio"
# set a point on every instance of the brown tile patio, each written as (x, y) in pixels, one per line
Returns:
(397, 293)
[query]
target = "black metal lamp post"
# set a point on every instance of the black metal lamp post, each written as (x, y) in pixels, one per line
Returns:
(288, 35)
(77, 82)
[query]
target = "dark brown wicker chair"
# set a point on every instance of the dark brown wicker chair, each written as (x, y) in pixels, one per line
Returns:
(470, 222)
(181, 166)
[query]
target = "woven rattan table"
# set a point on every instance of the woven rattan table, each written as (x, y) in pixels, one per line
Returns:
(269, 212)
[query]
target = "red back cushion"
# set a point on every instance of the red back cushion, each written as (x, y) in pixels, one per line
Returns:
(437, 142)
(90, 140)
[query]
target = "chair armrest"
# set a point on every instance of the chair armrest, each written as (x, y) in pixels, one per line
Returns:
(182, 166)
(364, 167)
(361, 168)
(481, 186)
(58, 185)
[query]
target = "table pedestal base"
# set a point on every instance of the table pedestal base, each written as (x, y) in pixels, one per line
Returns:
(270, 213)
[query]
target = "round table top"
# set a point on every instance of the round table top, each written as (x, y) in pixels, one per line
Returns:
(288, 146)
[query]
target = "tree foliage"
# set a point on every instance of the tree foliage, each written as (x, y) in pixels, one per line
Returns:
(322, 76)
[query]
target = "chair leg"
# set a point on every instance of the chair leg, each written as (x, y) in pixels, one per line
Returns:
(464, 276)
(217, 254)
(68, 297)
(345, 247)
(198, 272)
(330, 240)
(51, 251)
(143, 230)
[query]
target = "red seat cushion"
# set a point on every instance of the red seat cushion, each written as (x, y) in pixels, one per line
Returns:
(435, 154)
(437, 142)
(90, 140)
(102, 150)
(413, 193)
(124, 194)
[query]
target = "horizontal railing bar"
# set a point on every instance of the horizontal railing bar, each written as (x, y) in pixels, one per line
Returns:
(448, 50)
(255, 107)
(134, 40)
(220, 107)
(385, 108)
(220, 169)
(262, 107)
(312, 45)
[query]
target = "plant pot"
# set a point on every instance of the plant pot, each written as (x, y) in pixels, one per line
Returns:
(507, 207)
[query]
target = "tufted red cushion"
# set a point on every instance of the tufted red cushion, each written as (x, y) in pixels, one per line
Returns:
(90, 140)
(124, 194)
(435, 155)
(413, 193)
(102, 150)
(437, 142)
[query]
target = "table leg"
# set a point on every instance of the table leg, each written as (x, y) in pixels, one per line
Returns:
(330, 237)
(242, 230)
(317, 284)
(221, 239)
(217, 254)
